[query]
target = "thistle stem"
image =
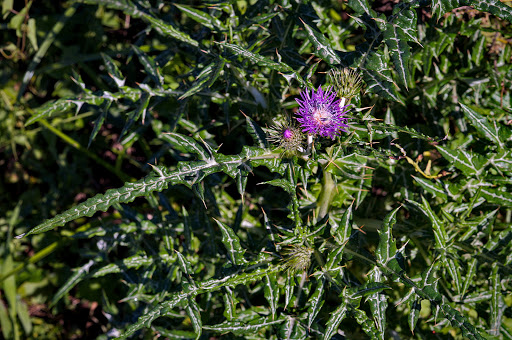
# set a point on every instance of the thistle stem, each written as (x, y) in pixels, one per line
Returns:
(326, 195)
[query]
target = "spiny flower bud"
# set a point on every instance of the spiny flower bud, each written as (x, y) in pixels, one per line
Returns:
(296, 257)
(346, 82)
(286, 136)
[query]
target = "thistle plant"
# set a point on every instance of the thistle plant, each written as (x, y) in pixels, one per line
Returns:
(140, 193)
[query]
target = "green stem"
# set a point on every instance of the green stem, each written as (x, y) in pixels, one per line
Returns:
(326, 195)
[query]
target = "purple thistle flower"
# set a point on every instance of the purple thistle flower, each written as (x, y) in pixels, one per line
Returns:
(320, 113)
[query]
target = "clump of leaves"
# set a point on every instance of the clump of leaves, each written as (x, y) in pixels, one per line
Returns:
(405, 214)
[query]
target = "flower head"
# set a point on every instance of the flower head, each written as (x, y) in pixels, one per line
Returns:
(286, 136)
(345, 81)
(320, 113)
(296, 257)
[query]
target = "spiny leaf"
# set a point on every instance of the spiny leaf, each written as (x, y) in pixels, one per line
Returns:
(147, 318)
(432, 187)
(496, 196)
(232, 244)
(257, 58)
(335, 319)
(360, 6)
(491, 132)
(377, 76)
(271, 293)
(149, 66)
(378, 303)
(414, 314)
(201, 17)
(169, 30)
(192, 309)
(205, 79)
(113, 70)
(316, 301)
(241, 328)
(440, 7)
(123, 5)
(437, 225)
(79, 275)
(498, 305)
(468, 162)
(494, 7)
(258, 135)
(187, 144)
(399, 50)
(52, 108)
(135, 261)
(341, 232)
(366, 324)
(321, 45)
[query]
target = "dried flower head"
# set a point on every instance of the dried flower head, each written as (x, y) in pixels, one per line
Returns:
(296, 257)
(346, 82)
(320, 113)
(286, 136)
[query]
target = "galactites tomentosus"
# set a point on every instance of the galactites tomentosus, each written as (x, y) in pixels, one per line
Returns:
(320, 113)
(296, 257)
(345, 82)
(286, 136)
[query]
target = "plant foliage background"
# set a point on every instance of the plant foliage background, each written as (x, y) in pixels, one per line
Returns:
(147, 200)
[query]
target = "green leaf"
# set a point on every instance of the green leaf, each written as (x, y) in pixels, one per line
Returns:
(321, 45)
(400, 53)
(241, 328)
(113, 70)
(98, 123)
(414, 314)
(335, 319)
(377, 76)
(387, 245)
(360, 6)
(205, 79)
(494, 7)
(147, 318)
(150, 67)
(437, 225)
(232, 244)
(192, 309)
(31, 33)
(79, 275)
(466, 161)
(432, 187)
(52, 108)
(271, 293)
(342, 232)
(440, 7)
(482, 125)
(378, 303)
(201, 17)
(258, 135)
(157, 181)
(498, 305)
(470, 275)
(187, 144)
(168, 30)
(134, 261)
(366, 324)
(123, 5)
(257, 58)
(496, 196)
(316, 301)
